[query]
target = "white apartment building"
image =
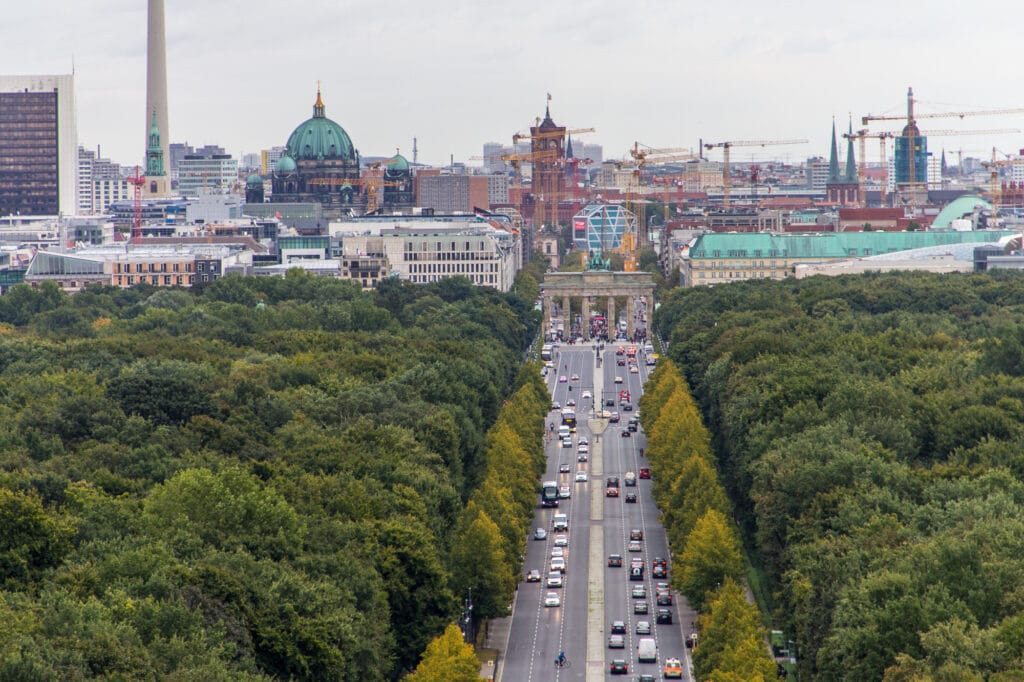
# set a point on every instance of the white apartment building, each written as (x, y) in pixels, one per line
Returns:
(213, 174)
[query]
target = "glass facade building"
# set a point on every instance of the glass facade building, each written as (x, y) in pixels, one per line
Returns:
(29, 182)
(599, 227)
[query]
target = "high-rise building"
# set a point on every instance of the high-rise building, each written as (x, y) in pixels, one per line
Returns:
(177, 151)
(493, 151)
(269, 159)
(86, 158)
(816, 171)
(594, 152)
(38, 145)
(157, 131)
(452, 193)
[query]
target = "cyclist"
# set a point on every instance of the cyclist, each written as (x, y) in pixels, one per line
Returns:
(561, 659)
(551, 426)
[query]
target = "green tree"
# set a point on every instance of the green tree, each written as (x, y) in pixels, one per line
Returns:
(479, 563)
(447, 659)
(32, 540)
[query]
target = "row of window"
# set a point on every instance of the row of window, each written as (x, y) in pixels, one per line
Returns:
(742, 265)
(156, 280)
(476, 279)
(737, 275)
(458, 268)
(152, 267)
(439, 246)
(430, 255)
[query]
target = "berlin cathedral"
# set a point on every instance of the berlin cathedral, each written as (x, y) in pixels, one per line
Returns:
(320, 164)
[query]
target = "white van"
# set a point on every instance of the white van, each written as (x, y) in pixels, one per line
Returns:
(564, 433)
(647, 650)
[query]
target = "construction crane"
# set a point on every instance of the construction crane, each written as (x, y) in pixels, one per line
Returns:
(549, 134)
(995, 190)
(726, 146)
(911, 132)
(138, 181)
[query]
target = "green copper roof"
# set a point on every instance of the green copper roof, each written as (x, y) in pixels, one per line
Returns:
(254, 179)
(833, 159)
(828, 245)
(397, 163)
(958, 208)
(320, 138)
(285, 164)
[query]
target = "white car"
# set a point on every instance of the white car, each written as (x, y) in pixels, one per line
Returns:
(633, 369)
(558, 564)
(583, 447)
(570, 403)
(587, 395)
(618, 380)
(564, 492)
(583, 441)
(554, 580)
(557, 552)
(552, 599)
(581, 476)
(561, 541)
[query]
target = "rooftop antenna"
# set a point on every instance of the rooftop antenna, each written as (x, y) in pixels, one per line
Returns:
(415, 150)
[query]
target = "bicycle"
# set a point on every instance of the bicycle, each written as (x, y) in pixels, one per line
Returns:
(566, 663)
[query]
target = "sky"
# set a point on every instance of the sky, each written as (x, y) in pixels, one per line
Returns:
(666, 73)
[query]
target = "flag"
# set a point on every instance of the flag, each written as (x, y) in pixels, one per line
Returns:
(277, 214)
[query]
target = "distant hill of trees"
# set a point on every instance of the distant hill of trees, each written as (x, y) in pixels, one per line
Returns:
(264, 479)
(870, 432)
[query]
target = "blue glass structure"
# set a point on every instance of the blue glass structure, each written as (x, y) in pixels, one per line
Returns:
(599, 227)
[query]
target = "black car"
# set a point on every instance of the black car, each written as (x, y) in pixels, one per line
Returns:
(628, 407)
(618, 627)
(618, 667)
(663, 617)
(610, 402)
(659, 572)
(626, 433)
(631, 498)
(664, 599)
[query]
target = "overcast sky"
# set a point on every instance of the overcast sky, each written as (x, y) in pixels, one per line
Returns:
(457, 74)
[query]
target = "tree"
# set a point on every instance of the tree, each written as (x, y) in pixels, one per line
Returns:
(163, 391)
(711, 555)
(447, 659)
(32, 540)
(479, 563)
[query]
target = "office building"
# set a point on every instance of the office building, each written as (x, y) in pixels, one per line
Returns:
(38, 146)
(201, 174)
(269, 159)
(459, 193)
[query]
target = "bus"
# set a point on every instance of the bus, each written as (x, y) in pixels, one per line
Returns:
(569, 417)
(545, 352)
(549, 494)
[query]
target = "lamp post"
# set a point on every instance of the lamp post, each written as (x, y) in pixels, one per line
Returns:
(792, 657)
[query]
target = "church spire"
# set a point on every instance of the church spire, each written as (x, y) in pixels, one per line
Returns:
(833, 159)
(155, 151)
(851, 162)
(318, 106)
(568, 149)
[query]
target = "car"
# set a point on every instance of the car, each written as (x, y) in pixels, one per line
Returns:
(575, 377)
(564, 468)
(582, 447)
(610, 402)
(626, 433)
(567, 443)
(620, 350)
(633, 369)
(570, 403)
(552, 599)
(533, 576)
(645, 472)
(664, 599)
(549, 365)
(586, 395)
(561, 541)
(645, 678)
(633, 419)
(581, 476)
(606, 414)
(612, 482)
(659, 572)
(560, 522)
(557, 552)
(564, 492)
(618, 627)
(615, 560)
(540, 534)
(630, 478)
(556, 406)
(614, 419)
(583, 441)
(634, 546)
(582, 457)
(554, 579)
(640, 606)
(643, 627)
(673, 669)
(620, 362)
(611, 492)
(660, 561)
(544, 372)
(636, 534)
(616, 642)
(639, 591)
(632, 429)
(618, 667)
(636, 572)
(618, 380)
(627, 407)
(631, 497)
(557, 564)
(663, 617)
(562, 379)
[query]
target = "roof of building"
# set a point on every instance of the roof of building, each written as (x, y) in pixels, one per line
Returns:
(958, 208)
(320, 138)
(828, 245)
(285, 164)
(397, 163)
(254, 179)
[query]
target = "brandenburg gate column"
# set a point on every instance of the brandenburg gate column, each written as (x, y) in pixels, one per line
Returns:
(650, 315)
(611, 318)
(585, 318)
(545, 312)
(566, 316)
(630, 317)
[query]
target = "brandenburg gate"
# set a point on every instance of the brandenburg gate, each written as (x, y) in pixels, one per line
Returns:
(591, 286)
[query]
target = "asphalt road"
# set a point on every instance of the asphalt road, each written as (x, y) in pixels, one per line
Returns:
(593, 594)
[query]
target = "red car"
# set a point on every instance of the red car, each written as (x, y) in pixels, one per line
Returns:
(645, 472)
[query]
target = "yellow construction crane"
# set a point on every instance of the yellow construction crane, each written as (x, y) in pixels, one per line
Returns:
(726, 146)
(645, 155)
(911, 132)
(549, 134)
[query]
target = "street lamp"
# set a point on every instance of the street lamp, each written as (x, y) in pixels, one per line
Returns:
(792, 657)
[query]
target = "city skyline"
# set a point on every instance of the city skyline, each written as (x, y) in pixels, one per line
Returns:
(663, 74)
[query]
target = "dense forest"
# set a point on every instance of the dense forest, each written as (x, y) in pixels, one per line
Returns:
(870, 433)
(265, 478)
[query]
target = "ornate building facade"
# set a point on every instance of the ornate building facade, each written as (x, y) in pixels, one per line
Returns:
(321, 165)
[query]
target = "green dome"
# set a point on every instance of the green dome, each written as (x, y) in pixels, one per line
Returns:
(320, 138)
(397, 163)
(254, 179)
(285, 164)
